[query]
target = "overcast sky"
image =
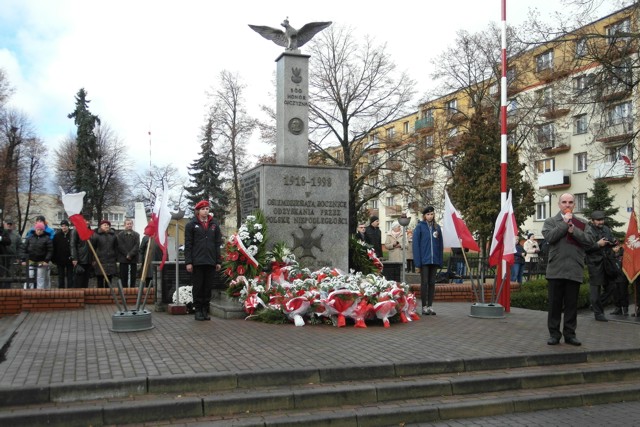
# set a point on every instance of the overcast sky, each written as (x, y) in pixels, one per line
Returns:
(146, 65)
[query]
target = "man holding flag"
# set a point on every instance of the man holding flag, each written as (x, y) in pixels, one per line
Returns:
(567, 242)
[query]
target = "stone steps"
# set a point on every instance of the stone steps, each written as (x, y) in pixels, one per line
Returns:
(352, 396)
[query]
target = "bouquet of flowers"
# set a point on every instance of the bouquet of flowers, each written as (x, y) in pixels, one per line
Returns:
(363, 257)
(186, 297)
(245, 252)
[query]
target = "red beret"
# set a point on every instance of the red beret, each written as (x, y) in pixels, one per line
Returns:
(104, 221)
(202, 204)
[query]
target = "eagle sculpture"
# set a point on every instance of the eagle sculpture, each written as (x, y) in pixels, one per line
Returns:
(290, 38)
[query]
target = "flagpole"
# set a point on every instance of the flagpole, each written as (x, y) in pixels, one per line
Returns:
(143, 277)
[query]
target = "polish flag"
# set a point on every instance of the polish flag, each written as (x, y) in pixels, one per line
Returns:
(631, 255)
(503, 244)
(455, 230)
(73, 203)
(160, 219)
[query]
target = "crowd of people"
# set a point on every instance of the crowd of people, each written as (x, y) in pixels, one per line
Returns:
(42, 248)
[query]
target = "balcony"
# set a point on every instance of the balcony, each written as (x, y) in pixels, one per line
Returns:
(613, 171)
(615, 133)
(456, 117)
(424, 123)
(554, 111)
(393, 210)
(554, 144)
(616, 93)
(553, 180)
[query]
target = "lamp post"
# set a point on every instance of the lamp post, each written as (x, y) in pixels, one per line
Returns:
(404, 221)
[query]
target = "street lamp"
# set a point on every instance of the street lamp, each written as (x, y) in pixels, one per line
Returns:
(404, 221)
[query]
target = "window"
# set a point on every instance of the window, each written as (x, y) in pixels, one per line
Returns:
(373, 139)
(428, 168)
(581, 48)
(511, 75)
(623, 26)
(512, 107)
(428, 141)
(544, 61)
(580, 200)
(580, 124)
(620, 113)
(405, 128)
(546, 135)
(545, 96)
(453, 132)
(621, 75)
(390, 201)
(580, 160)
(451, 106)
(388, 225)
(541, 211)
(391, 132)
(583, 83)
(374, 204)
(616, 153)
(545, 165)
(61, 216)
(427, 114)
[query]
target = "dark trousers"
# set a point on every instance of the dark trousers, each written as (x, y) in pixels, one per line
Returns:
(202, 278)
(621, 291)
(600, 288)
(428, 283)
(82, 279)
(65, 275)
(128, 273)
(563, 299)
(101, 283)
(410, 267)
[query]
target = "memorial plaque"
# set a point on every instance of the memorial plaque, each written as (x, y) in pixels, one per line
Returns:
(305, 207)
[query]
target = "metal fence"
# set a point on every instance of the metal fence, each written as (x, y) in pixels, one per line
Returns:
(456, 269)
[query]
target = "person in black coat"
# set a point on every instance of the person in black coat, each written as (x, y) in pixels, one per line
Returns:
(373, 235)
(62, 255)
(128, 247)
(105, 243)
(82, 259)
(202, 241)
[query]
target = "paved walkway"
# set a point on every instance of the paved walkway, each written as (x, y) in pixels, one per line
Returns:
(78, 346)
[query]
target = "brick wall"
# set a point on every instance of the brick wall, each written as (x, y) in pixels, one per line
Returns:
(462, 292)
(14, 301)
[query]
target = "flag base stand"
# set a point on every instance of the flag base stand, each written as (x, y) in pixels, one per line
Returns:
(487, 311)
(131, 321)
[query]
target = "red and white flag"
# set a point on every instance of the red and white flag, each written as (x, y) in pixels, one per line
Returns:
(631, 255)
(455, 230)
(160, 219)
(73, 203)
(503, 243)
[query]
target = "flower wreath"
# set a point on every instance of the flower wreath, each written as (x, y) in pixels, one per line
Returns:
(245, 252)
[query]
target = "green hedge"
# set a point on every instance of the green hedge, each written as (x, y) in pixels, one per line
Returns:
(533, 295)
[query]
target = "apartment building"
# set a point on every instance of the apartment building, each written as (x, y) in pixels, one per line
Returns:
(572, 108)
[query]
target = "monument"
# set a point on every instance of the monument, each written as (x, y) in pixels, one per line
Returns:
(306, 207)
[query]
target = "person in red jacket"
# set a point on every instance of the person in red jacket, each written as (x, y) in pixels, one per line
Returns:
(202, 241)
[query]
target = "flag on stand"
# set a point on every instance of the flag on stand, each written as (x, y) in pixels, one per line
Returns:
(73, 203)
(454, 229)
(160, 219)
(503, 244)
(631, 255)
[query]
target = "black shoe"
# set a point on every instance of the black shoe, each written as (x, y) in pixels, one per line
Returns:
(572, 341)
(601, 318)
(617, 311)
(553, 341)
(205, 314)
(199, 315)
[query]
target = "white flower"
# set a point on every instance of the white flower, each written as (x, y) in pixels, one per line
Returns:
(252, 250)
(251, 218)
(244, 235)
(257, 226)
(258, 237)
(186, 295)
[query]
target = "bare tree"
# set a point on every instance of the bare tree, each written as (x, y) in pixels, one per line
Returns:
(231, 129)
(149, 181)
(32, 172)
(15, 130)
(354, 89)
(111, 166)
